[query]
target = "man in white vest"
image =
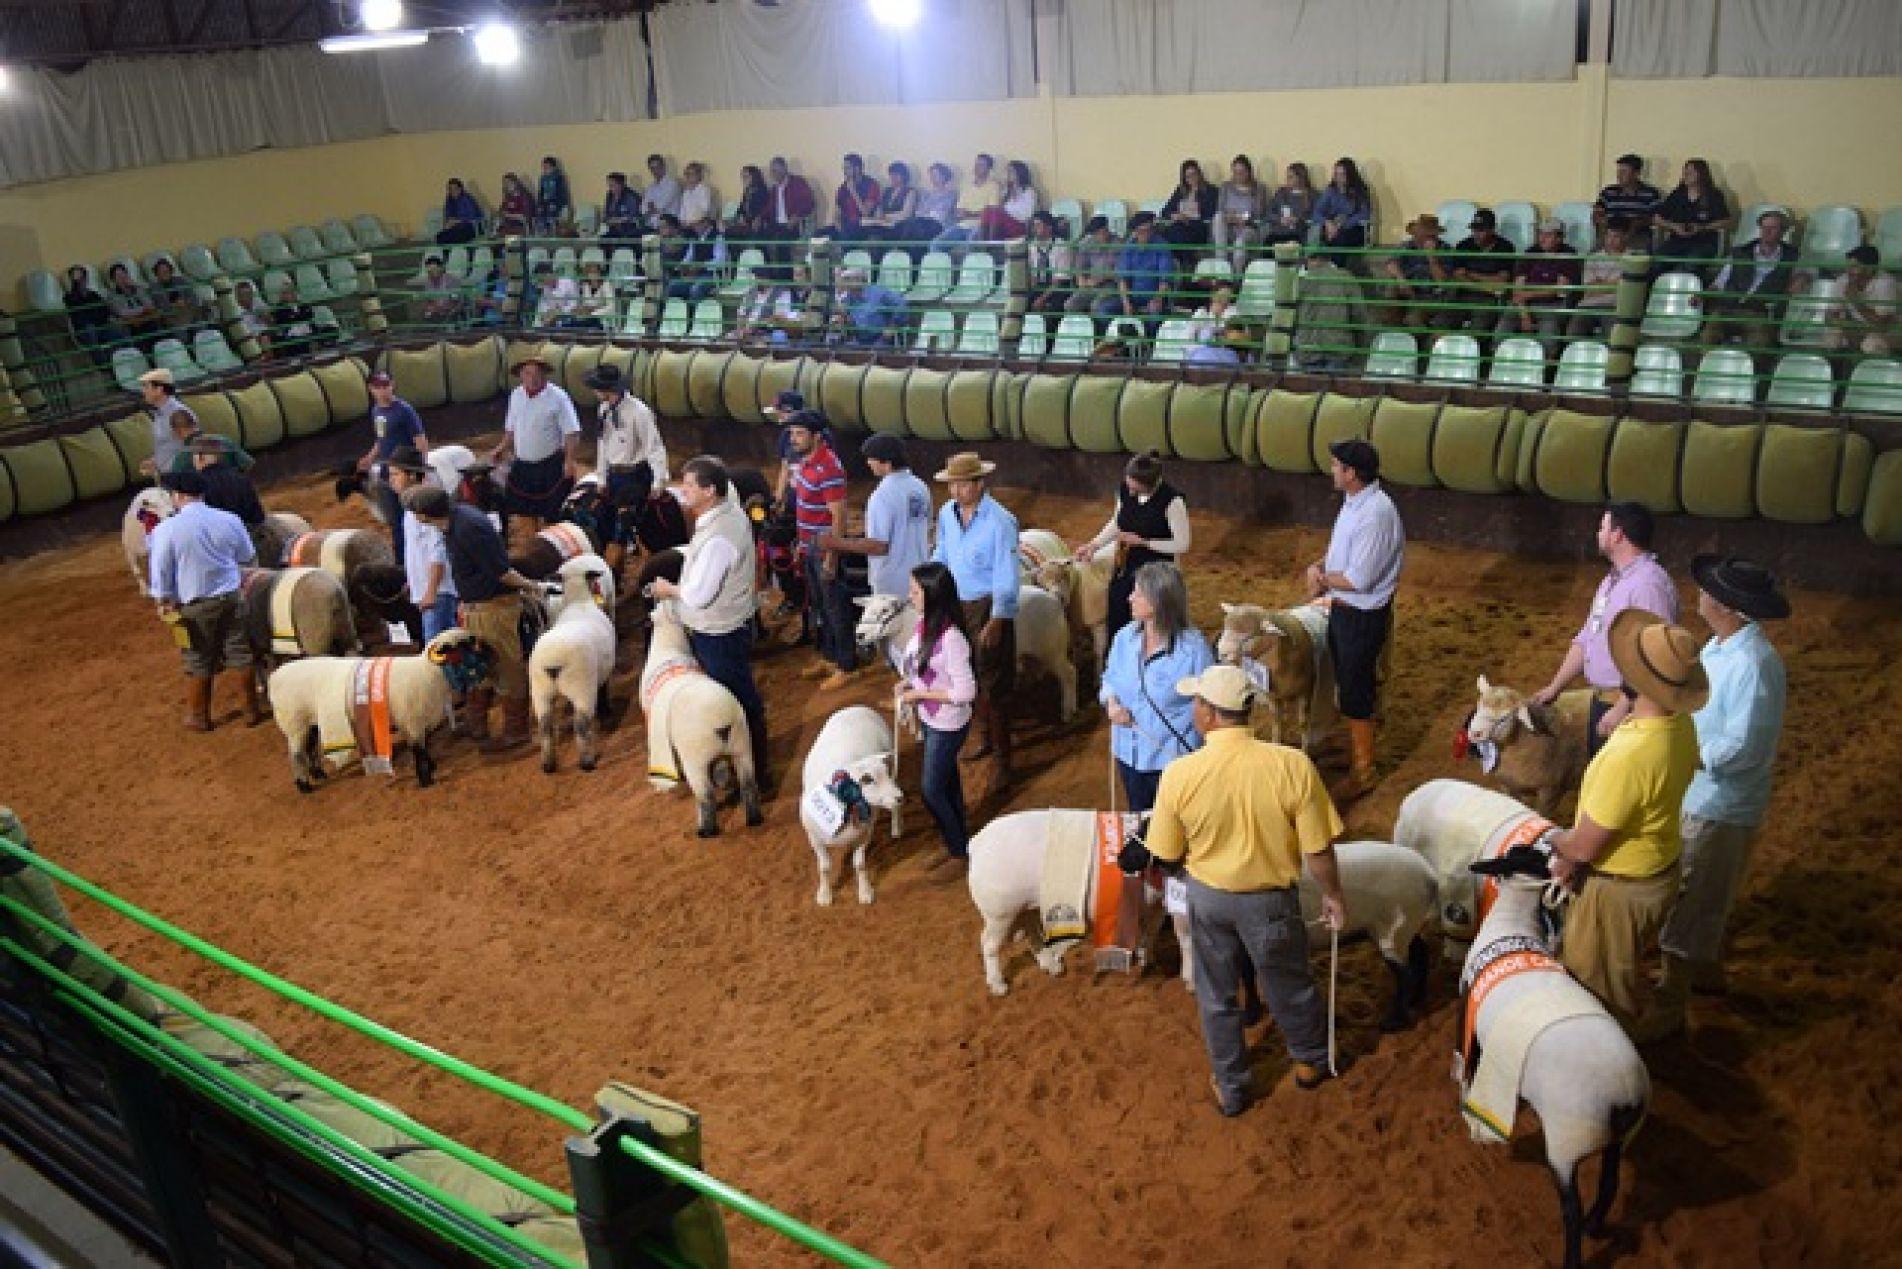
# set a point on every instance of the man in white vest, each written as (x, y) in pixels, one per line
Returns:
(630, 459)
(717, 595)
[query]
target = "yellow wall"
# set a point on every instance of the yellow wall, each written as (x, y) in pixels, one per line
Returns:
(1802, 141)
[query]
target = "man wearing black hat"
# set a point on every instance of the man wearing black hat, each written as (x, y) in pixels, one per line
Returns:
(226, 488)
(1867, 320)
(1359, 577)
(195, 560)
(425, 558)
(1482, 268)
(784, 406)
(630, 459)
(1737, 733)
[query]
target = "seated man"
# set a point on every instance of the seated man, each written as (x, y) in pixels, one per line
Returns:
(1545, 284)
(557, 296)
(771, 310)
(253, 318)
(1864, 319)
(294, 324)
(1095, 268)
(1604, 269)
(1415, 275)
(442, 293)
(1628, 198)
(690, 265)
(867, 315)
(1483, 268)
(663, 196)
(621, 209)
(174, 297)
(1143, 274)
(131, 304)
(1749, 292)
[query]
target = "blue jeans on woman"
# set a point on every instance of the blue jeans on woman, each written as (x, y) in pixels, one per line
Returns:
(1139, 786)
(944, 788)
(439, 616)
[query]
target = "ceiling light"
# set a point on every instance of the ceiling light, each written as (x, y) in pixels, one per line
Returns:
(372, 41)
(3, 79)
(497, 44)
(380, 15)
(896, 15)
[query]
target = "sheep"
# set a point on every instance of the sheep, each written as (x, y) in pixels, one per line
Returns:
(1576, 1067)
(693, 724)
(1043, 636)
(382, 590)
(311, 700)
(1036, 548)
(852, 764)
(347, 553)
(1300, 672)
(1451, 823)
(149, 508)
(551, 547)
(660, 526)
(574, 656)
(1082, 587)
(272, 534)
(1537, 752)
(296, 612)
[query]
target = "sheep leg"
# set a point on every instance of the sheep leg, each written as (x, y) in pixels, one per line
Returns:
(1571, 1217)
(545, 730)
(1398, 1016)
(1419, 966)
(1187, 946)
(604, 707)
(1607, 1189)
(828, 876)
(585, 737)
(700, 779)
(425, 765)
(996, 934)
(300, 761)
(1065, 671)
(859, 867)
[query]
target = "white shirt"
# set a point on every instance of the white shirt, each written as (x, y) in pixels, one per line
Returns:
(768, 303)
(1022, 205)
(696, 204)
(700, 582)
(558, 300)
(1178, 514)
(1368, 546)
(596, 299)
(539, 424)
(422, 547)
(899, 515)
(662, 196)
(629, 435)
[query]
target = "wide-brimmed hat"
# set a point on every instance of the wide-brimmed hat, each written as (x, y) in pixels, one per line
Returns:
(1743, 586)
(965, 467)
(1658, 660)
(208, 443)
(1484, 219)
(1226, 687)
(161, 375)
(1427, 221)
(531, 359)
(606, 378)
(405, 458)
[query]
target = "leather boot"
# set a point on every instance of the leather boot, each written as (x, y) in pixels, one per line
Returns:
(1665, 1017)
(1360, 778)
(198, 702)
(516, 726)
(475, 713)
(246, 681)
(997, 726)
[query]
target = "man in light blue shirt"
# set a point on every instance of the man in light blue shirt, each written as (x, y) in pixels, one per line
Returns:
(1737, 732)
(866, 314)
(196, 558)
(977, 541)
(897, 519)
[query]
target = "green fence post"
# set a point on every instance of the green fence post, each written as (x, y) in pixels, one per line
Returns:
(16, 381)
(619, 1203)
(1627, 317)
(821, 295)
(376, 323)
(1279, 341)
(1017, 278)
(653, 284)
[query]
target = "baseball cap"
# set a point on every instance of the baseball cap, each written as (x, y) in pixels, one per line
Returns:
(791, 401)
(381, 379)
(1224, 686)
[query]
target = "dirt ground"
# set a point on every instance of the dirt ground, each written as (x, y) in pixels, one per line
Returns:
(852, 1069)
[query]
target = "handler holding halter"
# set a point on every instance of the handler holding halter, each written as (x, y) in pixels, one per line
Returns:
(542, 437)
(630, 459)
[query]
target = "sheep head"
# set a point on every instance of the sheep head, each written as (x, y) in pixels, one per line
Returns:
(879, 618)
(589, 576)
(1058, 577)
(878, 784)
(1244, 628)
(1500, 712)
(466, 660)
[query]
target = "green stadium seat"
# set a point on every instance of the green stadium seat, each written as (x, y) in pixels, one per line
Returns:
(127, 365)
(1658, 371)
(1034, 340)
(1582, 367)
(273, 251)
(1888, 238)
(197, 262)
(271, 285)
(234, 256)
(324, 319)
(624, 266)
(1257, 295)
(673, 319)
(342, 277)
(537, 257)
(1116, 212)
(979, 335)
(631, 319)
(1875, 387)
(1068, 211)
(1393, 355)
(1802, 381)
(937, 331)
(210, 350)
(1076, 338)
(1153, 206)
(44, 293)
(1454, 359)
(170, 354)
(857, 258)
(1174, 338)
(1518, 223)
(338, 240)
(1456, 219)
(566, 263)
(709, 322)
(1518, 363)
(588, 219)
(432, 224)
(894, 272)
(935, 273)
(1215, 270)
(481, 261)
(455, 263)
(305, 243)
(370, 233)
(976, 278)
(595, 256)
(312, 286)
(1726, 376)
(1672, 311)
(729, 210)
(1806, 318)
(751, 261)
(1580, 234)
(1832, 233)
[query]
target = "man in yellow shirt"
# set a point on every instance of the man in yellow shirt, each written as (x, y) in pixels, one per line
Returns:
(1243, 814)
(1622, 854)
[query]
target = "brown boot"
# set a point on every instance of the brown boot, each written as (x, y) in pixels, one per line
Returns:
(198, 703)
(246, 681)
(475, 713)
(516, 728)
(1360, 778)
(1665, 1017)
(997, 726)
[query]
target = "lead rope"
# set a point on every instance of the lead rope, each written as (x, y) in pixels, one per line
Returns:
(1333, 976)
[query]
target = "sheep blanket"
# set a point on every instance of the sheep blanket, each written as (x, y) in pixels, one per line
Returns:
(357, 719)
(284, 641)
(568, 540)
(304, 551)
(1490, 1099)
(1083, 891)
(657, 699)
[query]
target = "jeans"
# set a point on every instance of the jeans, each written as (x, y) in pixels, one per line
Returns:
(944, 788)
(1139, 787)
(831, 606)
(1231, 931)
(439, 616)
(728, 660)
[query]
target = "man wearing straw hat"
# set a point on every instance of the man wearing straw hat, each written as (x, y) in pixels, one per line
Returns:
(1737, 733)
(1242, 816)
(542, 438)
(977, 541)
(1622, 854)
(172, 420)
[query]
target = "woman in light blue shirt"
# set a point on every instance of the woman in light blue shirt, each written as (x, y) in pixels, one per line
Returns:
(1151, 723)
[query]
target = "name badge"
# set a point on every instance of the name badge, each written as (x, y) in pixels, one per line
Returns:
(825, 809)
(1175, 896)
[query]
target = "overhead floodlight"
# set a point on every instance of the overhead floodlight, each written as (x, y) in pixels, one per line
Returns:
(497, 44)
(372, 41)
(3, 79)
(380, 15)
(896, 15)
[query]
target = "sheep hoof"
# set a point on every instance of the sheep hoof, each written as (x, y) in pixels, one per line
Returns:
(548, 766)
(865, 894)
(998, 986)
(1052, 963)
(707, 831)
(589, 763)
(824, 897)
(305, 786)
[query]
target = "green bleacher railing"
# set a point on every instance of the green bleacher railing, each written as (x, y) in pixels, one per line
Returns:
(153, 1041)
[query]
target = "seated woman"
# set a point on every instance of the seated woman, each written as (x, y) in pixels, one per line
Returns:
(1187, 217)
(1345, 210)
(1011, 218)
(1150, 524)
(1211, 333)
(1241, 207)
(753, 218)
(594, 305)
(937, 209)
(1291, 208)
(461, 214)
(897, 205)
(90, 316)
(1052, 265)
(517, 213)
(1690, 223)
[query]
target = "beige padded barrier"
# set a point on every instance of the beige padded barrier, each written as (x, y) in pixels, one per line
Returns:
(837, 395)
(1719, 477)
(668, 390)
(1568, 459)
(359, 1125)
(216, 414)
(1476, 448)
(1008, 404)
(233, 1057)
(260, 417)
(1643, 464)
(1804, 473)
(560, 1234)
(705, 375)
(927, 411)
(699, 1232)
(1882, 509)
(791, 375)
(95, 463)
(39, 477)
(345, 389)
(459, 1180)
(881, 400)
(970, 402)
(1852, 487)
(580, 363)
(1045, 410)
(132, 437)
(1284, 430)
(1338, 419)
(474, 371)
(306, 413)
(1199, 421)
(1093, 408)
(419, 375)
(1405, 433)
(739, 391)
(1142, 419)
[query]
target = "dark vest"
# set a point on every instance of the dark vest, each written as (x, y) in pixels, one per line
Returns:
(1148, 520)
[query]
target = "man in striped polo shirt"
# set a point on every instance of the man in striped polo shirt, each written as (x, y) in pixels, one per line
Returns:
(818, 492)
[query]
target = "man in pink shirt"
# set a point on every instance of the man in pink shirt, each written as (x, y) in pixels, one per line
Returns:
(1636, 580)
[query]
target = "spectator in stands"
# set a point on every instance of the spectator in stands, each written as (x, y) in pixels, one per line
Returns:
(771, 310)
(461, 215)
(294, 329)
(1291, 208)
(867, 315)
(1482, 269)
(594, 305)
(983, 192)
(554, 208)
(1604, 269)
(1546, 282)
(1009, 220)
(663, 195)
(556, 297)
(1096, 256)
(1864, 320)
(442, 292)
(1416, 275)
(897, 204)
(1329, 317)
(1629, 197)
(1143, 272)
(1690, 223)
(1345, 210)
(516, 216)
(621, 209)
(131, 305)
(1052, 265)
(937, 206)
(855, 199)
(173, 296)
(754, 216)
(491, 297)
(1190, 211)
(699, 203)
(253, 318)
(90, 315)
(1749, 292)
(793, 202)
(690, 266)
(1240, 209)
(1213, 332)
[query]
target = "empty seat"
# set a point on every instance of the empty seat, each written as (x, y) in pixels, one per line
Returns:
(588, 219)
(271, 285)
(481, 263)
(976, 276)
(1577, 219)
(1875, 387)
(708, 321)
(978, 338)
(1658, 371)
(127, 365)
(1582, 367)
(566, 263)
(1257, 295)
(1673, 309)
(594, 255)
(1454, 359)
(633, 322)
(432, 223)
(935, 273)
(1806, 319)
(312, 286)
(274, 251)
(198, 263)
(1076, 338)
(342, 276)
(210, 350)
(537, 257)
(338, 240)
(1456, 219)
(673, 319)
(1034, 339)
(937, 331)
(1174, 338)
(455, 261)
(894, 272)
(1518, 363)
(234, 256)
(170, 354)
(1216, 270)
(1802, 381)
(44, 293)
(369, 231)
(858, 258)
(1067, 211)
(1726, 376)
(1116, 212)
(1518, 223)
(322, 318)
(1151, 205)
(1888, 238)
(1393, 355)
(305, 243)
(745, 269)
(623, 266)
(1832, 232)
(729, 210)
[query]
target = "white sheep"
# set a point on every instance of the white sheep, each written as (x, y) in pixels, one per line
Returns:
(1536, 753)
(153, 505)
(1552, 1045)
(694, 725)
(1043, 636)
(851, 770)
(1035, 548)
(574, 656)
(1082, 587)
(1451, 824)
(1292, 644)
(312, 702)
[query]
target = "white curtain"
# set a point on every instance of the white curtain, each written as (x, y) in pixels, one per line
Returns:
(739, 56)
(593, 72)
(1685, 39)
(1145, 47)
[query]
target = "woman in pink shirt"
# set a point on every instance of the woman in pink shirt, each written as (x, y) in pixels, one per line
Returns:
(939, 681)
